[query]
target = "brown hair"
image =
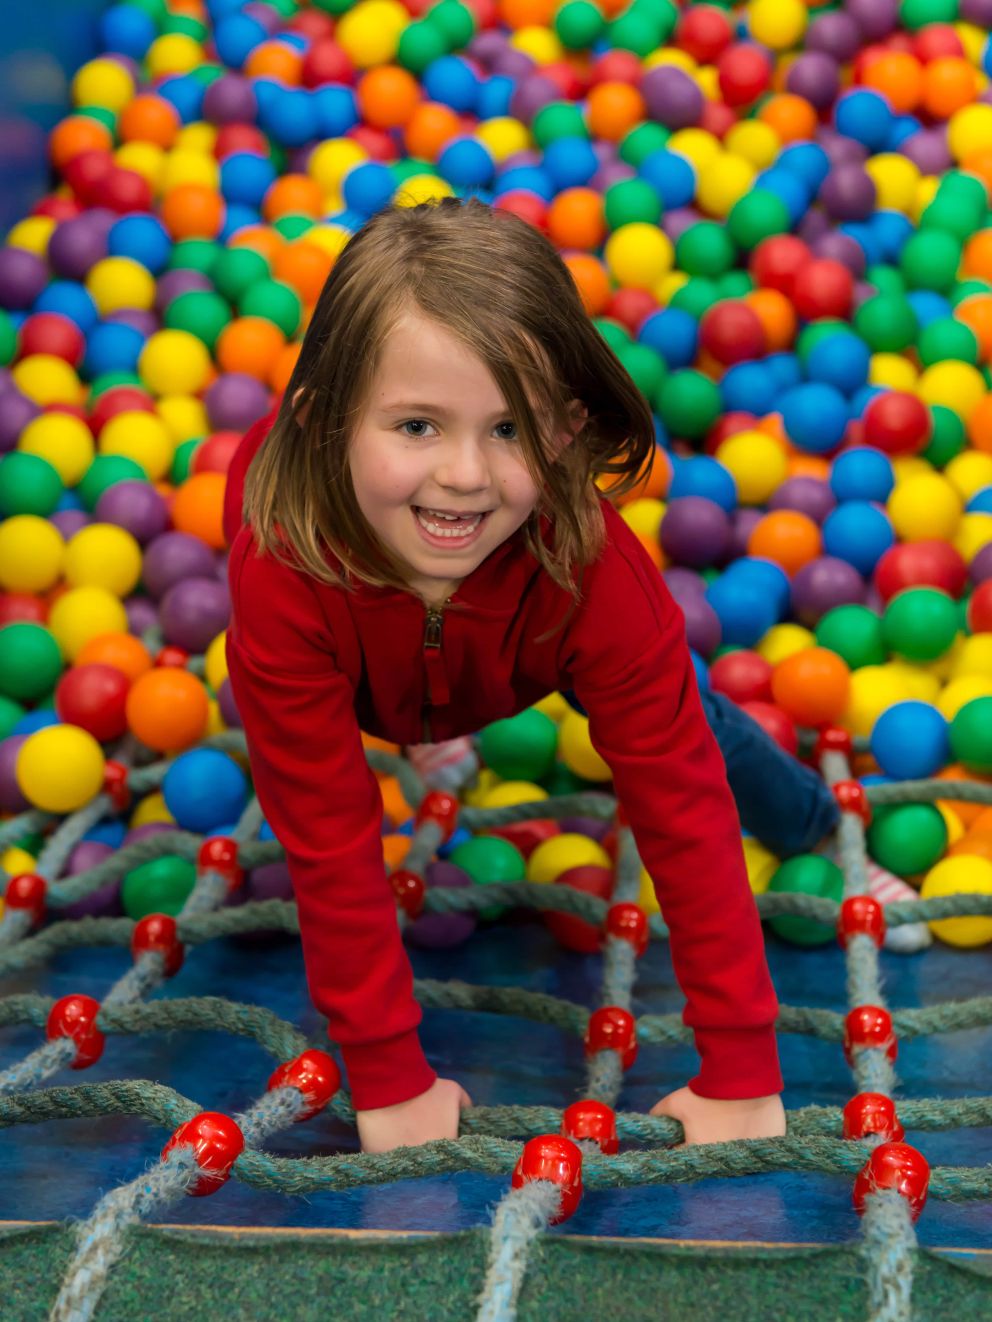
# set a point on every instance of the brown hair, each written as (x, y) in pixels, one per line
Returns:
(497, 284)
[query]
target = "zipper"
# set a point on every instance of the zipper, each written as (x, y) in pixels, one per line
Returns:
(437, 691)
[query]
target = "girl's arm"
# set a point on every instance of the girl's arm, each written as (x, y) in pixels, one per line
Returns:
(626, 656)
(321, 799)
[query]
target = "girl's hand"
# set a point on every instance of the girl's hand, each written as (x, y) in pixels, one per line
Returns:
(434, 1114)
(713, 1120)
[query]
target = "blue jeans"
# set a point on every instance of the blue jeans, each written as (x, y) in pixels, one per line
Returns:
(783, 803)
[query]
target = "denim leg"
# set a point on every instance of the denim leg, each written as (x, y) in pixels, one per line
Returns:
(785, 804)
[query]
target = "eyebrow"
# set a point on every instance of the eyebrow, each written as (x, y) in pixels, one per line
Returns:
(404, 406)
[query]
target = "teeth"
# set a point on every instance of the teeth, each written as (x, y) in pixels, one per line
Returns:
(439, 531)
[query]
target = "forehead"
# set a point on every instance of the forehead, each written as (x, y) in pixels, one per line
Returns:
(418, 351)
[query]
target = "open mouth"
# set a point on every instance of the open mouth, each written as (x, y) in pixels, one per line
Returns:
(448, 532)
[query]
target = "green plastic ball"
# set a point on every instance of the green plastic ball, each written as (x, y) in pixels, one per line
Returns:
(10, 713)
(886, 323)
(276, 302)
(615, 335)
(930, 260)
(705, 249)
(28, 485)
(522, 747)
(30, 661)
(688, 403)
(920, 623)
(160, 886)
(110, 380)
(200, 312)
(490, 859)
(105, 471)
(195, 255)
(945, 337)
(293, 225)
(734, 284)
(578, 24)
(854, 633)
(908, 838)
(637, 33)
(237, 270)
(558, 119)
(8, 338)
(420, 44)
(454, 20)
(886, 279)
(952, 214)
(629, 201)
(756, 216)
(696, 296)
(646, 367)
(949, 437)
(562, 780)
(971, 735)
(637, 145)
(182, 460)
(811, 335)
(806, 874)
(916, 14)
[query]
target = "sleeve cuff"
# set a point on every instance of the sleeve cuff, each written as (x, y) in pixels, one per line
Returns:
(385, 1073)
(737, 1063)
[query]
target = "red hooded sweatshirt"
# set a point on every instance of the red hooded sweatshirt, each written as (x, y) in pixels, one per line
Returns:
(312, 665)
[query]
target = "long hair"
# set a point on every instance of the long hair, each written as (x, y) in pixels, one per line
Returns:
(500, 287)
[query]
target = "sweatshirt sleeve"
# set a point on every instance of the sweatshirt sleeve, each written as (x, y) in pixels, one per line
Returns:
(632, 671)
(322, 800)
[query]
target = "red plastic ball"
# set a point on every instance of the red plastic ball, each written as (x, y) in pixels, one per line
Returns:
(26, 891)
(869, 1026)
(896, 1166)
(440, 807)
(898, 423)
(572, 86)
(75, 1017)
(233, 138)
(408, 889)
(776, 723)
(717, 118)
(575, 933)
(528, 206)
(326, 62)
(823, 288)
(631, 307)
(628, 922)
(744, 72)
(851, 797)
(51, 333)
(315, 1074)
(777, 261)
(743, 676)
(58, 208)
(220, 854)
(94, 697)
(929, 564)
(88, 173)
(157, 931)
(592, 1120)
(937, 41)
(732, 332)
(616, 66)
(872, 1113)
(125, 191)
(22, 608)
(980, 608)
(121, 399)
(860, 915)
(555, 1158)
(526, 836)
(611, 1028)
(214, 455)
(172, 657)
(705, 32)
(217, 1143)
(377, 142)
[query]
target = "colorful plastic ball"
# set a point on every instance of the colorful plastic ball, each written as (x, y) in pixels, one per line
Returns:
(854, 632)
(490, 860)
(102, 555)
(174, 362)
(841, 361)
(672, 333)
(203, 789)
(198, 508)
(93, 697)
(897, 423)
(929, 563)
(971, 736)
(60, 769)
(925, 507)
(576, 751)
(920, 624)
(788, 538)
(440, 931)
(167, 709)
(193, 612)
(28, 485)
(695, 531)
(861, 473)
(32, 554)
(815, 417)
(731, 332)
(63, 441)
(671, 176)
(964, 874)
(82, 614)
(859, 532)
(30, 661)
(806, 874)
(575, 933)
(638, 255)
(756, 462)
(812, 686)
(700, 475)
(688, 403)
(910, 741)
(162, 885)
(822, 287)
(908, 838)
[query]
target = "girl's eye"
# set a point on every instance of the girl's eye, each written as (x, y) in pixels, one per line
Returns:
(507, 429)
(415, 422)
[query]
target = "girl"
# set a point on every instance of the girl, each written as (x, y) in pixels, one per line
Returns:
(418, 548)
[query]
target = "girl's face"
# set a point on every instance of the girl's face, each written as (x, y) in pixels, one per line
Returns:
(436, 435)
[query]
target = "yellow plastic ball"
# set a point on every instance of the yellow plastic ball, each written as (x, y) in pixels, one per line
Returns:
(708, 81)
(174, 362)
(330, 161)
(638, 255)
(669, 285)
(925, 507)
(32, 235)
(185, 417)
(925, 193)
(422, 188)
(973, 656)
(215, 721)
(59, 769)
(647, 896)
(761, 864)
(957, 386)
(102, 82)
(921, 682)
(146, 159)
(486, 781)
(778, 24)
(953, 823)
(696, 145)
(328, 238)
(554, 707)
(15, 860)
(105, 556)
(369, 34)
(502, 137)
(873, 690)
(961, 690)
(31, 554)
(892, 372)
(82, 614)
(215, 661)
(541, 44)
(722, 182)
(510, 792)
(47, 380)
(974, 40)
(120, 282)
(896, 180)
(576, 750)
(61, 440)
(569, 850)
(757, 464)
(173, 53)
(151, 809)
(969, 131)
(755, 140)
(974, 531)
(968, 472)
(189, 167)
(905, 466)
(964, 874)
(671, 57)
(197, 137)
(644, 516)
(141, 437)
(784, 640)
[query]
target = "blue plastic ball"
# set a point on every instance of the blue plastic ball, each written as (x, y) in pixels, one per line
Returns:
(701, 475)
(815, 416)
(859, 532)
(980, 502)
(70, 299)
(701, 669)
(671, 176)
(862, 473)
(127, 30)
(203, 788)
(788, 187)
(928, 305)
(110, 832)
(112, 347)
(143, 238)
(806, 159)
(841, 361)
(368, 187)
(909, 741)
(750, 388)
(185, 94)
(673, 333)
(288, 116)
(530, 178)
(494, 97)
(866, 117)
(862, 398)
(891, 229)
(335, 110)
(465, 163)
(785, 370)
(766, 576)
(570, 162)
(245, 178)
(452, 82)
(744, 610)
(236, 36)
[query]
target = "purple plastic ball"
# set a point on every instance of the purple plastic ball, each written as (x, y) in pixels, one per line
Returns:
(485, 46)
(742, 524)
(875, 18)
(230, 99)
(143, 320)
(814, 225)
(841, 248)
(848, 193)
(172, 557)
(676, 222)
(612, 172)
(978, 12)
(836, 34)
(146, 831)
(141, 615)
(814, 76)
(194, 612)
(69, 522)
(440, 931)
(702, 625)
(23, 275)
(823, 584)
(228, 707)
(514, 64)
(981, 566)
(235, 401)
(928, 150)
(532, 94)
(811, 496)
(15, 415)
(11, 798)
(594, 827)
(136, 506)
(672, 97)
(75, 246)
(271, 881)
(105, 901)
(695, 531)
(174, 283)
(683, 583)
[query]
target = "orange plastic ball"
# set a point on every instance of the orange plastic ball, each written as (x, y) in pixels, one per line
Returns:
(979, 425)
(591, 279)
(808, 465)
(527, 13)
(149, 118)
(75, 134)
(304, 267)
(789, 538)
(777, 317)
(811, 686)
(979, 163)
(192, 211)
(949, 84)
(121, 650)
(898, 76)
(976, 313)
(249, 345)
(293, 194)
(267, 242)
(613, 109)
(429, 130)
(791, 117)
(198, 508)
(970, 813)
(284, 365)
(388, 96)
(977, 257)
(274, 59)
(978, 845)
(168, 709)
(576, 220)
